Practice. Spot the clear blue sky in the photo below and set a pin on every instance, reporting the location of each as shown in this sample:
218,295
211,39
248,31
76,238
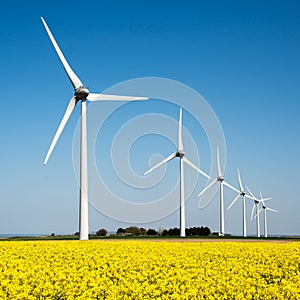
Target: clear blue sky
243,57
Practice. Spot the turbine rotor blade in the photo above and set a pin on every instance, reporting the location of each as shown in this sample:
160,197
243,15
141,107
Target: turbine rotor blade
194,167
72,76
240,182
219,165
256,215
161,163
235,199
208,187
61,127
100,97
271,209
249,197
264,199
253,197
231,187
252,212
180,145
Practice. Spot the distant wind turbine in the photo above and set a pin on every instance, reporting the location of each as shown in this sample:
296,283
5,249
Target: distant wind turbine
241,193
81,93
255,206
265,208
181,154
220,178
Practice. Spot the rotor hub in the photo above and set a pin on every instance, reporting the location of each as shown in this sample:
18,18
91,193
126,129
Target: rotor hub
81,93
180,153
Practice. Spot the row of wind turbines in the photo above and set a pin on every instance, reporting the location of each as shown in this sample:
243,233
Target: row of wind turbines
82,94
219,178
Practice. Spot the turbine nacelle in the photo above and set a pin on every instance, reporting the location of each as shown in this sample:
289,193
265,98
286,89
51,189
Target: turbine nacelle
221,178
180,153
81,93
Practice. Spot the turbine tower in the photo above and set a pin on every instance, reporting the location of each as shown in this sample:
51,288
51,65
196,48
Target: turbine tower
255,206
181,154
82,94
265,208
241,193
222,182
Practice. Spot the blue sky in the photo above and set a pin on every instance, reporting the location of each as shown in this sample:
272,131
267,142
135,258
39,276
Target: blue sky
242,56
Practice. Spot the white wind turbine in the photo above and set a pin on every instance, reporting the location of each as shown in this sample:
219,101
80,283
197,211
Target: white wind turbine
265,208
241,193
181,154
255,206
81,93
219,178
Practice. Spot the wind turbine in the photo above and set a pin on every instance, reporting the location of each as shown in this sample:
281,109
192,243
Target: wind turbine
241,193
255,206
181,154
265,208
81,93
219,178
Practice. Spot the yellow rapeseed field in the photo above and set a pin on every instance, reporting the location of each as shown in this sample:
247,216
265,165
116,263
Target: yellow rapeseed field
149,270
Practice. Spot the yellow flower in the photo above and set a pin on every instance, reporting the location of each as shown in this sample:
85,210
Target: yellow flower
149,270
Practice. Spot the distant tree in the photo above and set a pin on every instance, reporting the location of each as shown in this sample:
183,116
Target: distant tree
192,231
170,232
197,231
134,230
152,232
121,230
174,231
101,232
201,231
143,231
76,233
165,232
52,234
206,231
188,232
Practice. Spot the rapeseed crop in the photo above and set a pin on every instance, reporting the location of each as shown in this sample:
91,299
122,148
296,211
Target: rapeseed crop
149,270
